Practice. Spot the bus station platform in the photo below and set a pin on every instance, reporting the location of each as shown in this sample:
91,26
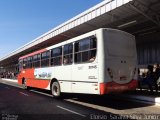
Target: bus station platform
143,95
140,95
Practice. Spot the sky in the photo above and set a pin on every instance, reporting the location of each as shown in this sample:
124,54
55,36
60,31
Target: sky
21,21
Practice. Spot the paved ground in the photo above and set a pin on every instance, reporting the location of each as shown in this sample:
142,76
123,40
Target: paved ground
39,105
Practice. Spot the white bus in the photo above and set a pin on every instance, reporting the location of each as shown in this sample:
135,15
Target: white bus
99,62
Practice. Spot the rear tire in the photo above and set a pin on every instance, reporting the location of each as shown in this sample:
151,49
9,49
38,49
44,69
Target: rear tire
55,90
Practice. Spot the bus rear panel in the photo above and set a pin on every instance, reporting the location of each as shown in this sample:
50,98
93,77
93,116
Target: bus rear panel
120,61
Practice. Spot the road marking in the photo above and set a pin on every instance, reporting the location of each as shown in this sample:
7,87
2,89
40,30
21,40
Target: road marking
71,111
23,93
42,93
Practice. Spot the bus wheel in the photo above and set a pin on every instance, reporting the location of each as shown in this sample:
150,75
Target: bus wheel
24,84
55,89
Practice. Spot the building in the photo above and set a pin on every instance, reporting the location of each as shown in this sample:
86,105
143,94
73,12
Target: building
138,17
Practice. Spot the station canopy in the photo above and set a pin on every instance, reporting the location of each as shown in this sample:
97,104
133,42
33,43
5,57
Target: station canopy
138,17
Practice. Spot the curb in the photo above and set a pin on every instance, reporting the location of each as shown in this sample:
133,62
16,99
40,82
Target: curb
11,80
144,99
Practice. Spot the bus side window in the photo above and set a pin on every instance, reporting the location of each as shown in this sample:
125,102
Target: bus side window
85,50
20,65
36,60
93,49
29,62
85,46
24,63
45,59
68,54
76,47
56,56
93,43
77,55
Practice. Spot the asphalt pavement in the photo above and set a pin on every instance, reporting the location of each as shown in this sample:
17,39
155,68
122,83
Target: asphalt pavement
35,104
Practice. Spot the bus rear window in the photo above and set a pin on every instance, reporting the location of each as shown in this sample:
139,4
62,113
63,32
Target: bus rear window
119,44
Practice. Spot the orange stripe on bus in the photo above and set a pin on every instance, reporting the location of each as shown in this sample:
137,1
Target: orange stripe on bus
34,53
28,74
38,83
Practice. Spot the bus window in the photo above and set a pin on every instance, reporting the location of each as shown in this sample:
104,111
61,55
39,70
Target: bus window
20,65
29,62
68,54
56,56
45,59
93,49
36,60
76,47
84,44
24,63
85,50
93,43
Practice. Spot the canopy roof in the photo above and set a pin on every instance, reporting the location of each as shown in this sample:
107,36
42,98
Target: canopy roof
138,17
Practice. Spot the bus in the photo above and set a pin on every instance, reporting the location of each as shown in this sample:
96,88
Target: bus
99,62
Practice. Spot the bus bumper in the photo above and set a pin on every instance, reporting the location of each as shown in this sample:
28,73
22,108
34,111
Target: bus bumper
112,87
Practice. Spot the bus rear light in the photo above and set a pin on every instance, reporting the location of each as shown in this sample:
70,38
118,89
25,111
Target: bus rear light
133,84
110,73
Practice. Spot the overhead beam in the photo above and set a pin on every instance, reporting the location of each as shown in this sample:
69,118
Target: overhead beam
146,11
